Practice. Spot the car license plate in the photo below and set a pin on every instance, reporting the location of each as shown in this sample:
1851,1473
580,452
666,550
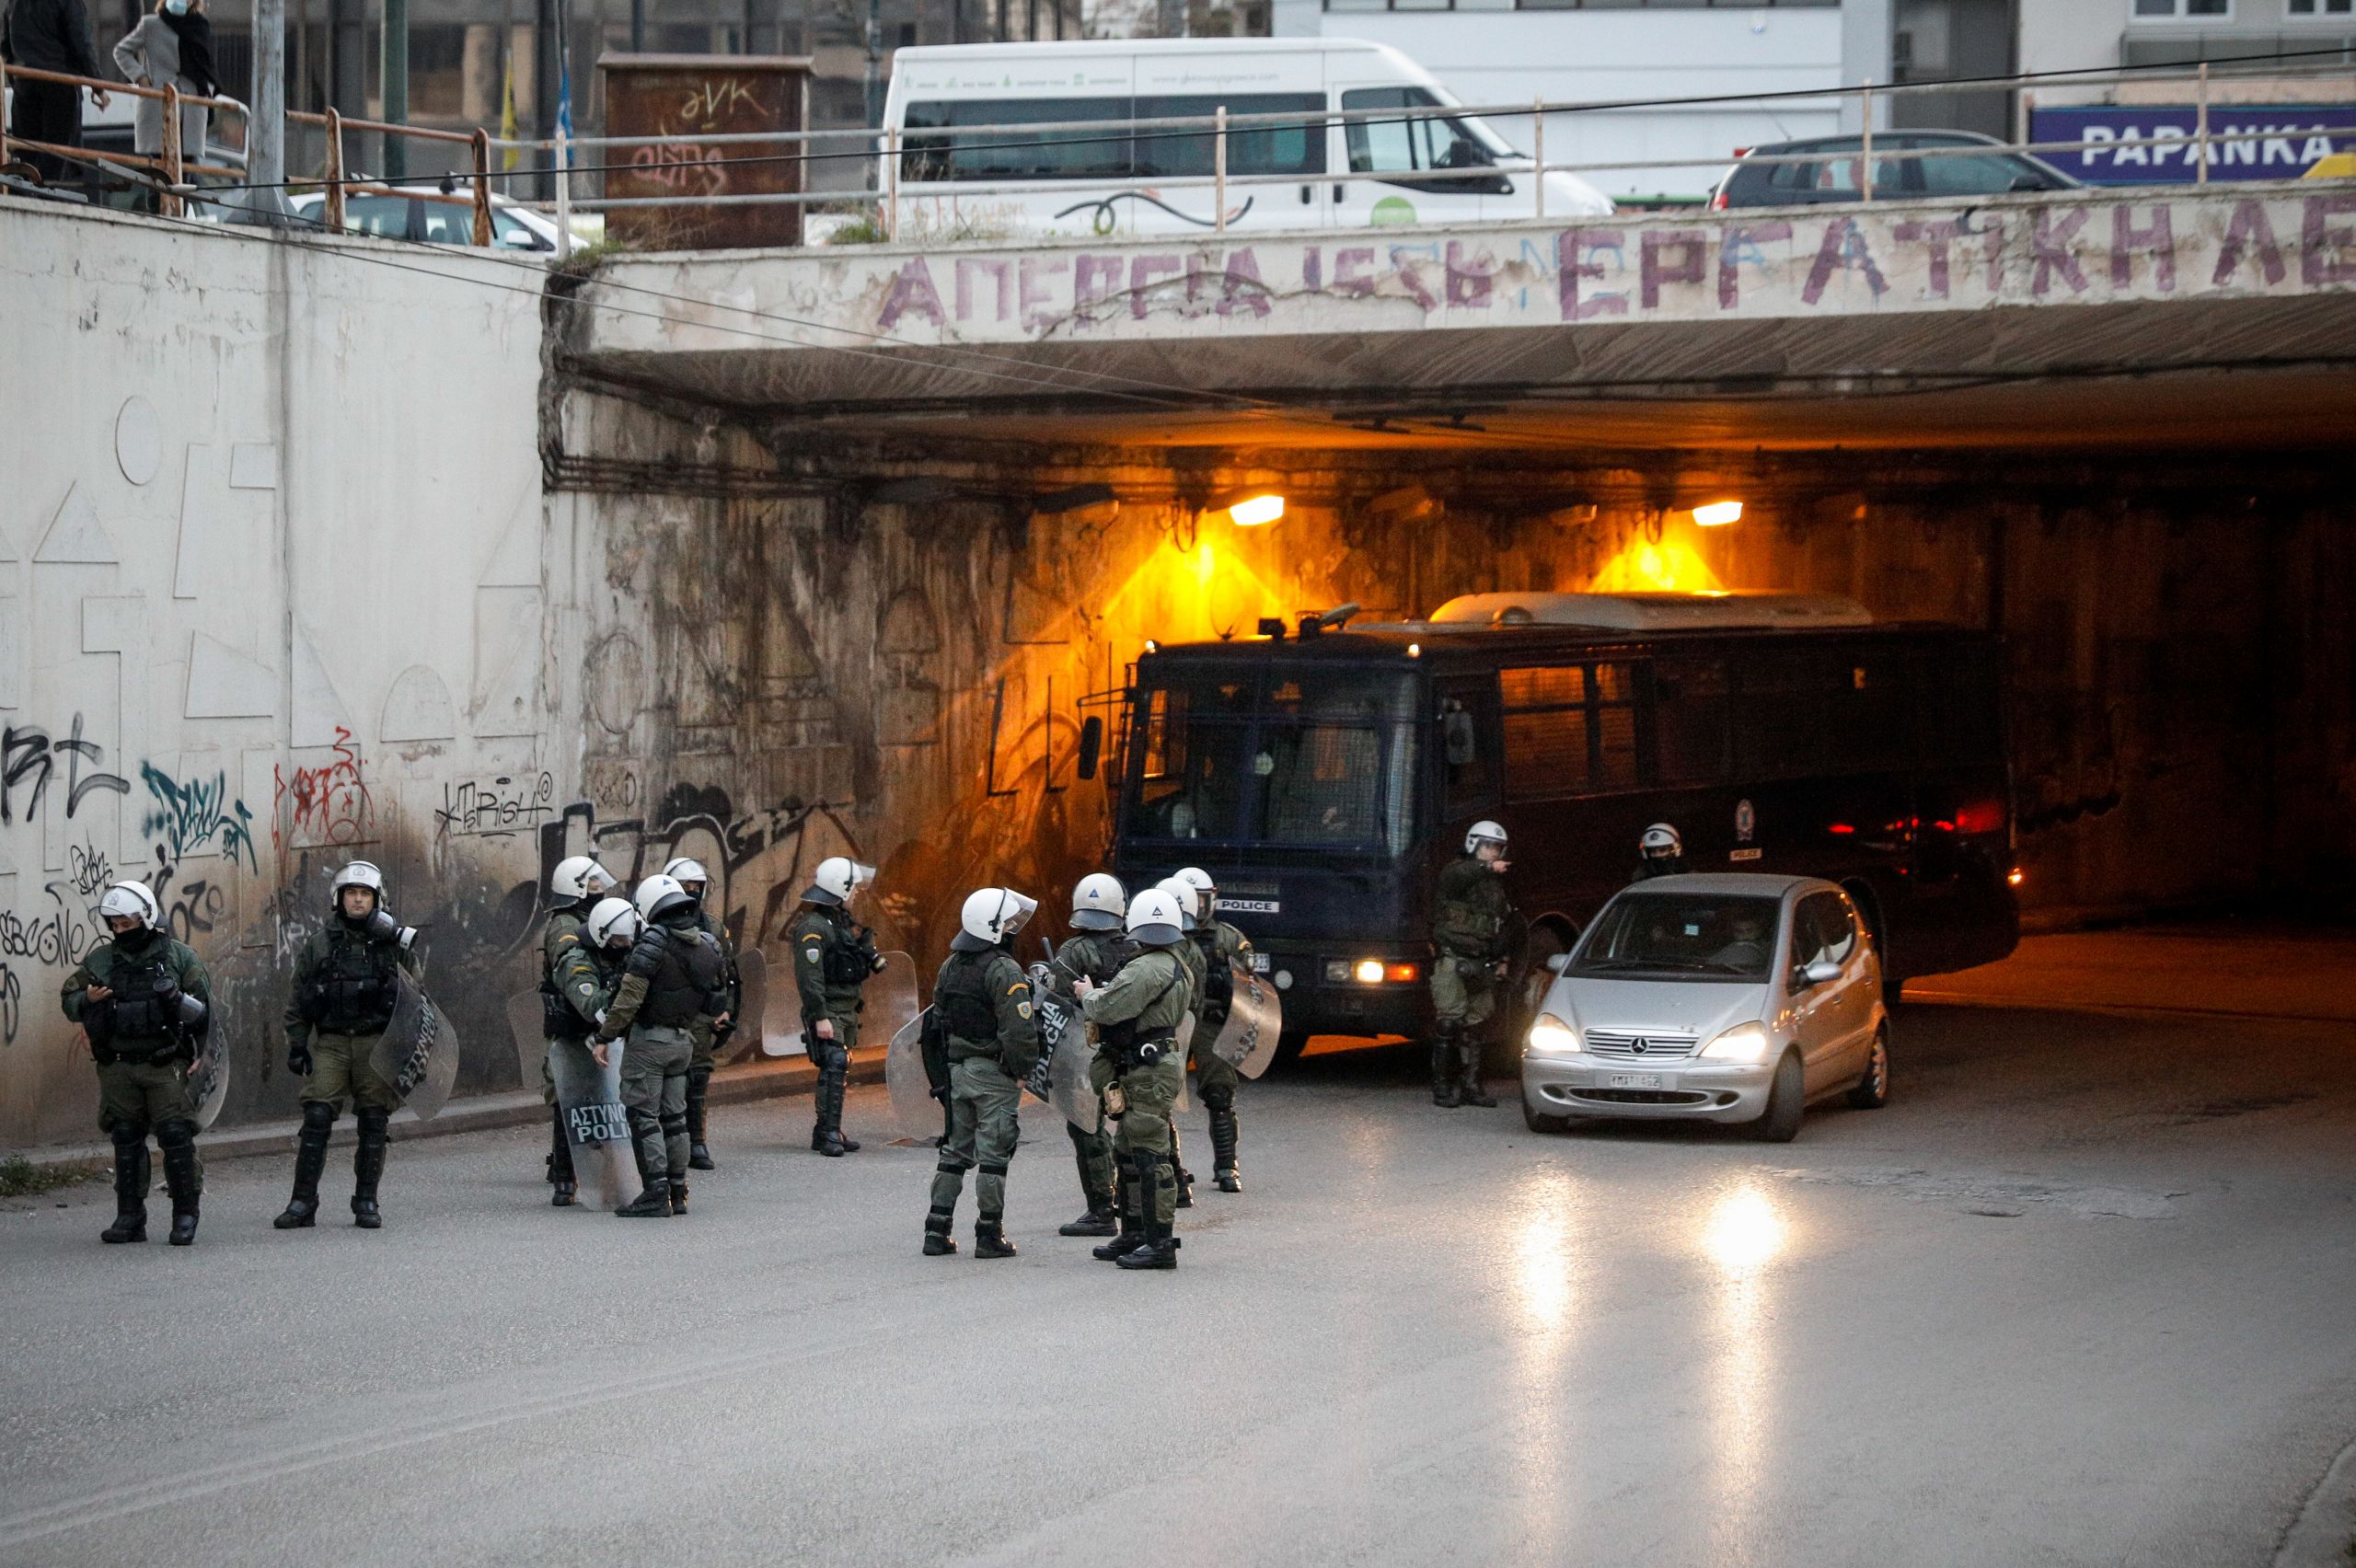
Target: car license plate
1635,1080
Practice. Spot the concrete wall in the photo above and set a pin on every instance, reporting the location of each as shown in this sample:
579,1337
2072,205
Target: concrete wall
269,598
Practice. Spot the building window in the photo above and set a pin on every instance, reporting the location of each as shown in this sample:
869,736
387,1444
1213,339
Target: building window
1572,5
2323,7
2183,10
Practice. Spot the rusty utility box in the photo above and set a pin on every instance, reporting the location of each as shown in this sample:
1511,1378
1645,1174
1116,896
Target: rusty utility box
685,98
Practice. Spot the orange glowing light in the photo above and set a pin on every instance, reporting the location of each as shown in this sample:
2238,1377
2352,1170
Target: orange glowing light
2016,877
1666,567
1718,513
1254,510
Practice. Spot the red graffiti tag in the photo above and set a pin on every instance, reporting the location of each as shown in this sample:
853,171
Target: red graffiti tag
329,804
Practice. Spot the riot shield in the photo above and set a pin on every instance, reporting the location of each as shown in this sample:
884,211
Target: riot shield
1063,1038
751,1032
527,1023
910,1086
418,1053
1248,1038
890,1001
1185,1048
590,1097
208,1075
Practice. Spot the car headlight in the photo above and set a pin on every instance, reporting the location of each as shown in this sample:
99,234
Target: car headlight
1743,1043
1550,1036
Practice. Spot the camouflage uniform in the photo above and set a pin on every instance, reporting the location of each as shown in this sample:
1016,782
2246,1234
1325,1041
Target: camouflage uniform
981,1006
1142,1007
1469,928
833,957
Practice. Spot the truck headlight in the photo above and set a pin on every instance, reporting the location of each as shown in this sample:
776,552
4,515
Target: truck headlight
1550,1036
1743,1043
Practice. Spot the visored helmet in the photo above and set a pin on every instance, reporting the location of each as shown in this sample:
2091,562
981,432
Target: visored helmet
131,899
1481,833
1154,918
659,895
612,920
1206,890
1098,902
1660,842
684,871
1182,895
359,873
837,877
579,876
994,914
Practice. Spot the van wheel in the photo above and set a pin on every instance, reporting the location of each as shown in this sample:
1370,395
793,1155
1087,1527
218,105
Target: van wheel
1289,1046
1873,1090
1539,1122
1781,1121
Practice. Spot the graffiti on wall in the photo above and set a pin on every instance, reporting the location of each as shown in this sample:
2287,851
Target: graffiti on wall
28,753
326,804
196,816
505,804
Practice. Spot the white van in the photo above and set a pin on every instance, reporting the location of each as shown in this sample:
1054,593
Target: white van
1426,169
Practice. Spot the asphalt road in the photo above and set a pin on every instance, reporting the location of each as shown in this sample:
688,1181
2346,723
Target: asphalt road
2083,1294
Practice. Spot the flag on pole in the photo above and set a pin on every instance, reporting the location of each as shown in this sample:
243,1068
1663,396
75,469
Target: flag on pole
563,82
508,157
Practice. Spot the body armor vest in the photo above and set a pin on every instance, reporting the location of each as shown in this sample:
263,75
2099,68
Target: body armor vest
962,996
139,1021
356,987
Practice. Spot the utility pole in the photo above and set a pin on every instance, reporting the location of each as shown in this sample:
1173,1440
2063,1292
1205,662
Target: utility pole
544,70
395,82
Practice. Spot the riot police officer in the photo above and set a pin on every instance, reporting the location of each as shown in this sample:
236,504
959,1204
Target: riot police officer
1659,853
143,1001
981,1008
346,984
673,978
1095,952
1197,968
577,884
709,1035
1222,947
587,971
1137,1021
834,956
1470,929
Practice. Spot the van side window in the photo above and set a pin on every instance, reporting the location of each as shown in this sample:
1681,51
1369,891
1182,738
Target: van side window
932,152
1169,154
1690,720
1423,145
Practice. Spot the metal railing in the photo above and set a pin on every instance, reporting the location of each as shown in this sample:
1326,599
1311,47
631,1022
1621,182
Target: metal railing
171,162
889,154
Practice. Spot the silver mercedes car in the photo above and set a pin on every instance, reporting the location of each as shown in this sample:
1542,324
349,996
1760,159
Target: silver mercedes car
1717,997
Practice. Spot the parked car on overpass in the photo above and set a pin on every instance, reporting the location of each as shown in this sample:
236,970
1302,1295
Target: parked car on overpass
433,215
1725,997
1831,169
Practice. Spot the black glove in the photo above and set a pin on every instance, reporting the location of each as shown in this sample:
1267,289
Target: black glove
298,1060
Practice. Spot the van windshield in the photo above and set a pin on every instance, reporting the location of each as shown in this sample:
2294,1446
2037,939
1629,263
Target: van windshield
1319,757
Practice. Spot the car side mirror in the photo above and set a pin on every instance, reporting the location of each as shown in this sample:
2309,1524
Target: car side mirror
1558,962
1458,730
1092,743
1822,971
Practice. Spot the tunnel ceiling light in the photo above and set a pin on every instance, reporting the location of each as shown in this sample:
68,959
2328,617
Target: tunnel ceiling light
1254,510
1718,513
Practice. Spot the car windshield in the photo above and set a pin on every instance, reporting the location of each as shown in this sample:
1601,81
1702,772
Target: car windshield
1704,936
1307,758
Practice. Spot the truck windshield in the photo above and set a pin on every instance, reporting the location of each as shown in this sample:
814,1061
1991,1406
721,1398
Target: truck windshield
1313,758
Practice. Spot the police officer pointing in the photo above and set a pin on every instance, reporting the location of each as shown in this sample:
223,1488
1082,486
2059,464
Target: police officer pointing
834,956
142,999
1469,929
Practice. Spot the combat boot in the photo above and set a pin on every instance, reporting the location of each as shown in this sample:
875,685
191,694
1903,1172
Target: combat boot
177,1139
1224,1132
1470,1092
561,1176
368,1167
1444,1089
653,1203
698,1152
938,1242
310,1159
989,1240
1095,1222
130,1190
678,1194
1156,1249
1137,1176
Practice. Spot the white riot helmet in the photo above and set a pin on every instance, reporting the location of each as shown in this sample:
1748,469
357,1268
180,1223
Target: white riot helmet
1155,919
1206,890
1661,843
684,871
836,878
658,895
994,914
613,917
579,876
1484,831
1182,895
1098,902
359,873
132,899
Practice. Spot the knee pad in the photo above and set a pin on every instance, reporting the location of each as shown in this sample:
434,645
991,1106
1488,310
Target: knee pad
993,1168
833,1058
1218,1097
129,1138
177,1133
642,1124
370,1119
698,1076
951,1165
318,1115
675,1124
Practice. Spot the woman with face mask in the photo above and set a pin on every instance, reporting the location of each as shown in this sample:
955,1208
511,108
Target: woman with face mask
172,43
